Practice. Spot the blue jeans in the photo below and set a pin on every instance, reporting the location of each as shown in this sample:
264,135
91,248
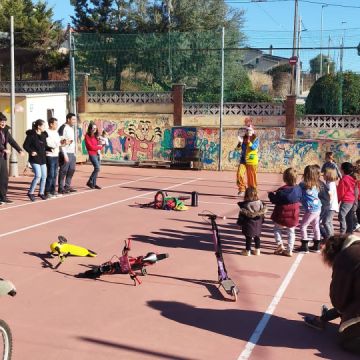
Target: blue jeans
95,160
40,173
52,163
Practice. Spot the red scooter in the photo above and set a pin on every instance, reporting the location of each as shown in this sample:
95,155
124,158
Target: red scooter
125,265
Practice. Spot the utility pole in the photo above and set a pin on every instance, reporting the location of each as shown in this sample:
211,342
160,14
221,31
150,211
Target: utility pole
13,170
221,97
341,76
298,67
292,87
321,38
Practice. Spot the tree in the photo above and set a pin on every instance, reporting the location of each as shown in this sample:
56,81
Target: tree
36,31
175,41
327,62
331,92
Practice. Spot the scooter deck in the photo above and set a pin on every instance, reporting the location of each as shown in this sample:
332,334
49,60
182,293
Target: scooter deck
228,285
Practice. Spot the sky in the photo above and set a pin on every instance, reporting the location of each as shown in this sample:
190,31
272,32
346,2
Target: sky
270,22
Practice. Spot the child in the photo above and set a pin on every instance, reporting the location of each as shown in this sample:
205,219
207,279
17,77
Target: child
330,178
346,197
312,207
324,196
286,211
103,140
330,163
251,217
357,192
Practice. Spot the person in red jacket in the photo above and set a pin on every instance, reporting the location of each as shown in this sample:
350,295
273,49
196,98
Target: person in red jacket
93,146
346,197
286,212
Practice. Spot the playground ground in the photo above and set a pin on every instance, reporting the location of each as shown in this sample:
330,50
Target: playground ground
177,312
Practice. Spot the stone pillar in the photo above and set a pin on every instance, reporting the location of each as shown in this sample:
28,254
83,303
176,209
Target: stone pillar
290,112
83,98
178,99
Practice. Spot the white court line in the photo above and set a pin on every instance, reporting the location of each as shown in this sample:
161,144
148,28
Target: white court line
75,193
89,210
250,345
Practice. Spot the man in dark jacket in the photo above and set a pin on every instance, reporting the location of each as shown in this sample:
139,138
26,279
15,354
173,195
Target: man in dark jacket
5,139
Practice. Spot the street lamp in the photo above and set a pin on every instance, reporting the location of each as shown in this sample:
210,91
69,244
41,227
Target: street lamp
321,31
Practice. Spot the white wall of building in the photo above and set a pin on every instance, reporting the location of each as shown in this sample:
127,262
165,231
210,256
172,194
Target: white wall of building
37,106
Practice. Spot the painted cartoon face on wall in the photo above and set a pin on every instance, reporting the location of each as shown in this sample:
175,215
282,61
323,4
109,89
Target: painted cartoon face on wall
144,131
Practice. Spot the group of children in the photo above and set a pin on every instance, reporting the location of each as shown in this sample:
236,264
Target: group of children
320,200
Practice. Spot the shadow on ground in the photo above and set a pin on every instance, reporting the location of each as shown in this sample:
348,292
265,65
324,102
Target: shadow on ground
240,324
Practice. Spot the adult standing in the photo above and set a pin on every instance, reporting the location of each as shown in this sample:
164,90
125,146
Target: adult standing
67,157
249,145
93,147
35,145
52,157
5,139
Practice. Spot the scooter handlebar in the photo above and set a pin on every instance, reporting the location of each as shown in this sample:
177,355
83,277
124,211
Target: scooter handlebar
212,216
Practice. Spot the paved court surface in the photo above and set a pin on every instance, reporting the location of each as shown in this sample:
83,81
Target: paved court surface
177,312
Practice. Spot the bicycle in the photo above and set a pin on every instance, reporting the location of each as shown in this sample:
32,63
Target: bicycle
6,346
125,264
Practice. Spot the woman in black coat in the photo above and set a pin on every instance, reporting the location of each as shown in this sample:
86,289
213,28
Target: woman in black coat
35,145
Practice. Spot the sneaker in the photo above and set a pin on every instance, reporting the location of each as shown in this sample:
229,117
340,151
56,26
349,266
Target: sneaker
31,196
357,227
287,253
56,194
241,193
246,253
71,190
315,322
7,201
279,250
97,187
42,196
90,185
256,252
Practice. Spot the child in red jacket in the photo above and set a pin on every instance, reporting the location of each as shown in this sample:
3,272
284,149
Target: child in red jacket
346,197
286,212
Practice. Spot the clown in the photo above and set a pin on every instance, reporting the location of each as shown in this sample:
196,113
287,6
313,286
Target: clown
248,145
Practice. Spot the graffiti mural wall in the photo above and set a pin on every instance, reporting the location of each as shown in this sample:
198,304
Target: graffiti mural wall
131,137
276,153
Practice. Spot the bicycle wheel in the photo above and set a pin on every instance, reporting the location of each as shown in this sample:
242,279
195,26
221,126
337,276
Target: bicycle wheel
6,341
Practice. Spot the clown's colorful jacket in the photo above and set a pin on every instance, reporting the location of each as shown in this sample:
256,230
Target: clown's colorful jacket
249,150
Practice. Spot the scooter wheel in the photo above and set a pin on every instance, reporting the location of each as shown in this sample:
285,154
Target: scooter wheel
234,293
144,271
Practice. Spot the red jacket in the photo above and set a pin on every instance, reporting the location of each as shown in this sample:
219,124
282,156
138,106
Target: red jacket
346,189
92,145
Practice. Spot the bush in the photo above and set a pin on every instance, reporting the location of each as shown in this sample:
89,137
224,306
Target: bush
331,91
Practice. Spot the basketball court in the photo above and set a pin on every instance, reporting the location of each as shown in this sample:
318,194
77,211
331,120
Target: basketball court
177,312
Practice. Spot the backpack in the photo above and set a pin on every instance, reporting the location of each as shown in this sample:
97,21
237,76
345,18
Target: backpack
61,129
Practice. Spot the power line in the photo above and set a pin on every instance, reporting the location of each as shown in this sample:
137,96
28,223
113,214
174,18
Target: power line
304,1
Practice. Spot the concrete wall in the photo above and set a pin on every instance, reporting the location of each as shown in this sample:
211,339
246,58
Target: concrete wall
233,120
276,153
138,137
132,137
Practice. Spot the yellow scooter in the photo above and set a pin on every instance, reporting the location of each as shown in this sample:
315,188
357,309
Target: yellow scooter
63,249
